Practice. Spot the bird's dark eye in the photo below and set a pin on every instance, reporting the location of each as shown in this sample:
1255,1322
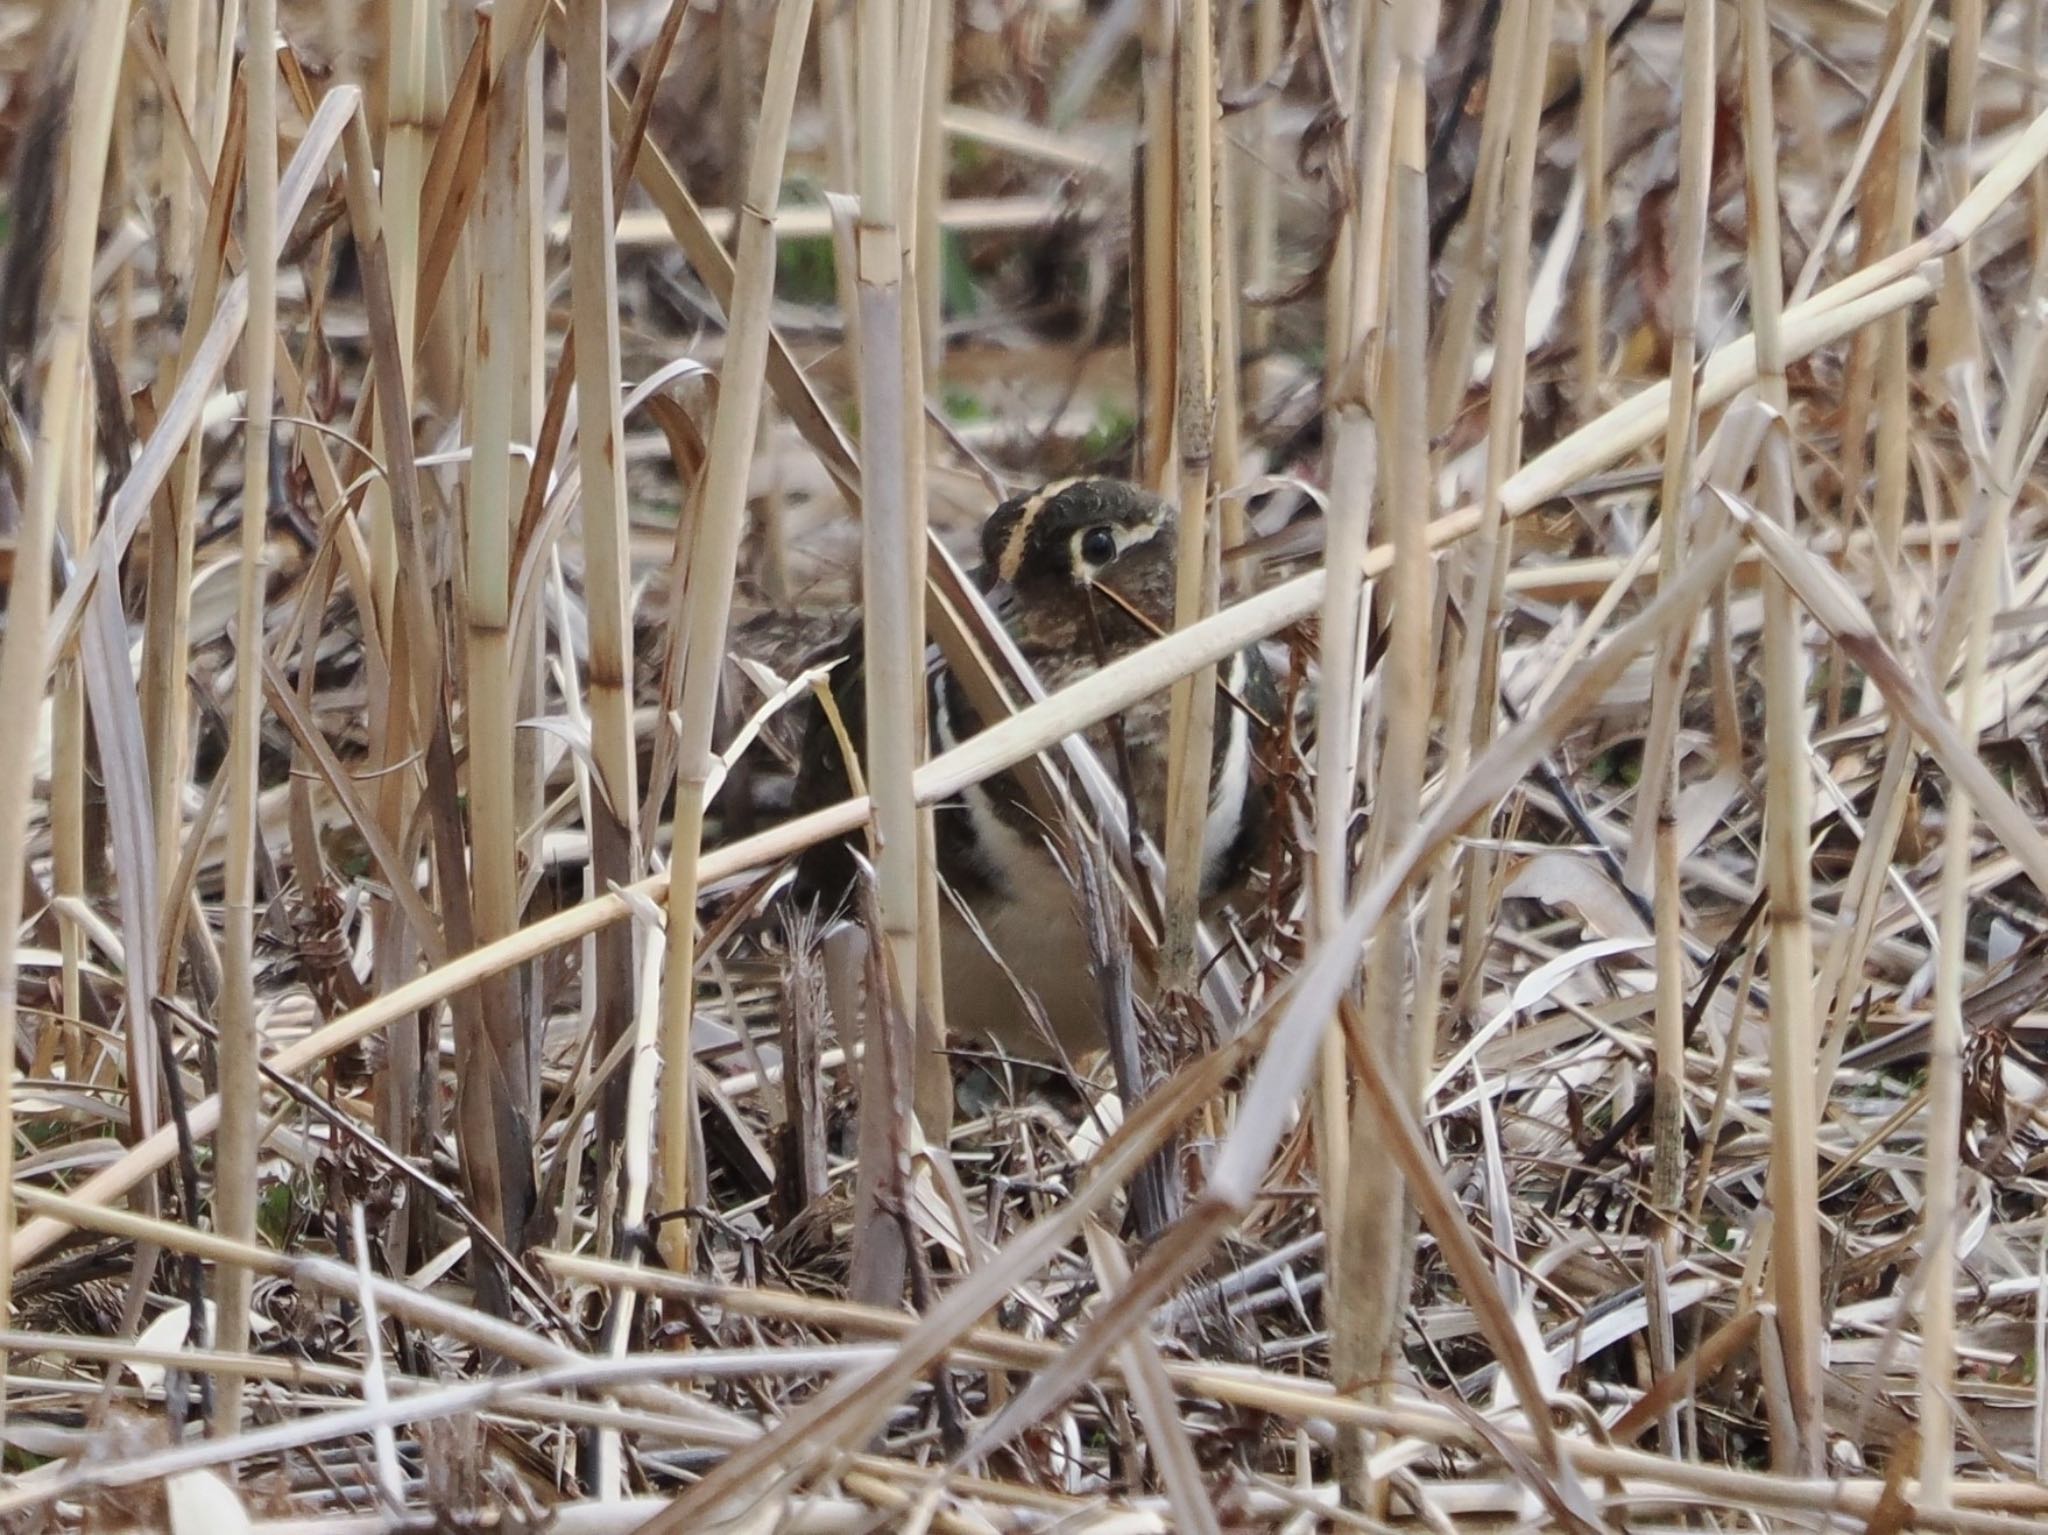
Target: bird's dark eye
1098,546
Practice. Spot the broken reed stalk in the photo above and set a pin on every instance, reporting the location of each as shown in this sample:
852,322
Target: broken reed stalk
892,529
1795,1234
1227,442
241,1045
1153,1395
721,523
1654,855
600,442
1191,720
92,56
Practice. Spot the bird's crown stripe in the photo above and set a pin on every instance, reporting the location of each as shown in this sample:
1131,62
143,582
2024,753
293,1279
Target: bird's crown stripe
1012,559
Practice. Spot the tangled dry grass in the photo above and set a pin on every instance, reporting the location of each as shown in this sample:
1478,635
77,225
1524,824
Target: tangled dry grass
1620,1106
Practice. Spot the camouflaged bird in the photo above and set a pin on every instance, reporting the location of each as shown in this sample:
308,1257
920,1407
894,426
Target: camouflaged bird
1048,558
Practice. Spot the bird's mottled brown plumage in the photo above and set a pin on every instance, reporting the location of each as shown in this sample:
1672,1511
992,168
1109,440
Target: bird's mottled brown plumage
1080,572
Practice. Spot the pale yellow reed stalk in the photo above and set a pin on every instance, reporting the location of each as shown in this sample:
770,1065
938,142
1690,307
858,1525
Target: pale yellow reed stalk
1192,703
1953,345
1795,1252
1154,251
1654,850
1591,313
720,525
600,435
1476,689
241,1044
892,529
94,53
1470,257
1374,1260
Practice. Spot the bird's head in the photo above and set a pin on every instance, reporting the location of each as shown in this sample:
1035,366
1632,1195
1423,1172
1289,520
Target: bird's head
1051,545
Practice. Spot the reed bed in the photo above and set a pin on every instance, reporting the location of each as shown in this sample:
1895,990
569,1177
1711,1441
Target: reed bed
436,443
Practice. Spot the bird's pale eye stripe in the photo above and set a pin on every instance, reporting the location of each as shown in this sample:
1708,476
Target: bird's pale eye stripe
1012,559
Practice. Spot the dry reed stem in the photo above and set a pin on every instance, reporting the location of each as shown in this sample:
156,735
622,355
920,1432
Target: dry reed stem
1477,686
1458,321
1945,1050
1952,340
1795,1255
1657,853
501,402
241,1043
1292,1045
167,614
1351,346
1153,1395
720,525
93,55
1591,309
1155,251
893,520
1191,721
614,802
1373,1269
1891,363
1261,200
1353,1181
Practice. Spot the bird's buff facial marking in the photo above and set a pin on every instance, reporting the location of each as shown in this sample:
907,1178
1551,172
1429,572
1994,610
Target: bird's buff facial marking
1125,537
1012,558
